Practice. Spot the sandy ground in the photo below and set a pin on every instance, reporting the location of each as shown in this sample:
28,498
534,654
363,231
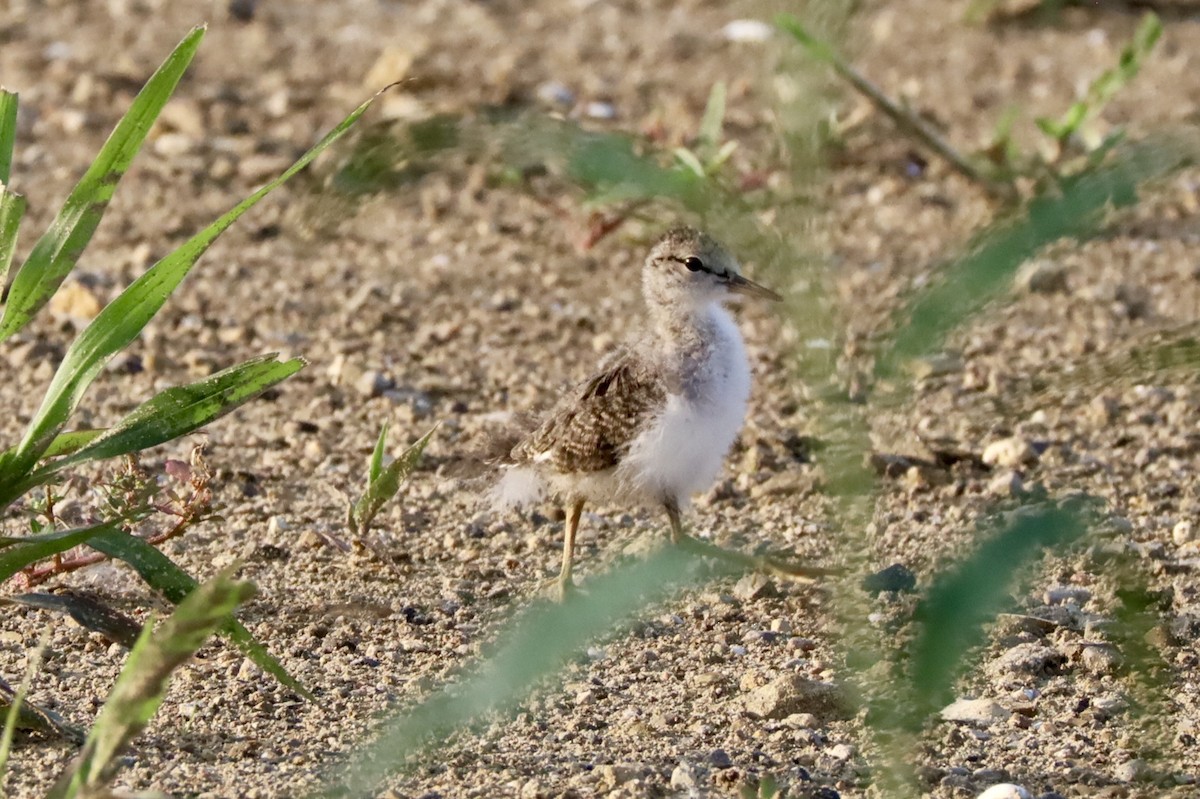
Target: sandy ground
459,297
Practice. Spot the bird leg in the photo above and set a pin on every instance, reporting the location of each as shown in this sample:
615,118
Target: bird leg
562,585
762,563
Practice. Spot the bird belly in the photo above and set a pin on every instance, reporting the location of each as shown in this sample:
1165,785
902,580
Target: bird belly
682,450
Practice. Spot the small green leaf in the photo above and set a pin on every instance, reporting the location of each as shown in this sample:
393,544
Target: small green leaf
689,161
55,253
386,485
140,688
376,468
161,574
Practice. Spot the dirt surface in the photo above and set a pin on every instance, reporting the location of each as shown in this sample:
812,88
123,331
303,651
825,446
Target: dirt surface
458,298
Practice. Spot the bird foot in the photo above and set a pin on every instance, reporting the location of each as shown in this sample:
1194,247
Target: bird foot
557,589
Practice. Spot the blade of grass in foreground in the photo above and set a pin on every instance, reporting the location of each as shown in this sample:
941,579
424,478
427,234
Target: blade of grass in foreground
533,647
180,410
123,318
1074,210
17,553
12,205
175,584
8,131
55,253
143,682
952,614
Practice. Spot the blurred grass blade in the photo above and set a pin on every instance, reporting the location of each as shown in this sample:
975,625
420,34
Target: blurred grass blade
952,614
8,132
533,646
12,205
16,706
1111,81
1075,209
55,253
22,714
160,573
714,116
818,49
608,168
385,481
87,611
180,410
143,682
122,319
17,553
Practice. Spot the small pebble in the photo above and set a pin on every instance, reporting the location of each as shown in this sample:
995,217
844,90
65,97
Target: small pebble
720,759
600,110
1182,533
897,578
747,30
975,711
1009,453
841,751
1027,659
1006,484
1062,594
1042,277
683,777
554,93
1130,771
1100,658
1005,790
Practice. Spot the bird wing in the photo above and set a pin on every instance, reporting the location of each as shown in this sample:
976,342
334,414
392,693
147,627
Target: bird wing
592,427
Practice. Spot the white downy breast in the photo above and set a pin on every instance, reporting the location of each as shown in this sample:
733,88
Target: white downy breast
683,450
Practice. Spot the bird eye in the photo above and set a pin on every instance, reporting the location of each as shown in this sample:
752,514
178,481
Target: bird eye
693,264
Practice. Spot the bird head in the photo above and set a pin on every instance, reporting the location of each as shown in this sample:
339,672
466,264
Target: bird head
689,268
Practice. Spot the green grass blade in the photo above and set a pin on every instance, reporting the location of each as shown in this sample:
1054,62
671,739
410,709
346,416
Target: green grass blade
161,574
17,553
140,688
66,443
180,410
952,614
63,444
55,253
8,132
387,484
1075,209
123,318
16,707
714,116
532,647
818,49
376,467
12,208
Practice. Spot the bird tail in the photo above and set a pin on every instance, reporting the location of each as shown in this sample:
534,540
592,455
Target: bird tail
520,485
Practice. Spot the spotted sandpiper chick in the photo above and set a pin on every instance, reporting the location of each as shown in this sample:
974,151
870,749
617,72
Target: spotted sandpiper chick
654,424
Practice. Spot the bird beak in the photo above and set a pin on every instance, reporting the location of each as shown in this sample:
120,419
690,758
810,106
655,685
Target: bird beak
740,285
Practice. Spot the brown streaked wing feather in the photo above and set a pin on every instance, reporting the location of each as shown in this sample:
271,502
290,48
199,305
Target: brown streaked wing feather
591,429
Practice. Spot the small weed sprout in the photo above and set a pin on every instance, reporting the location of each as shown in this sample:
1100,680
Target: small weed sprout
383,482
